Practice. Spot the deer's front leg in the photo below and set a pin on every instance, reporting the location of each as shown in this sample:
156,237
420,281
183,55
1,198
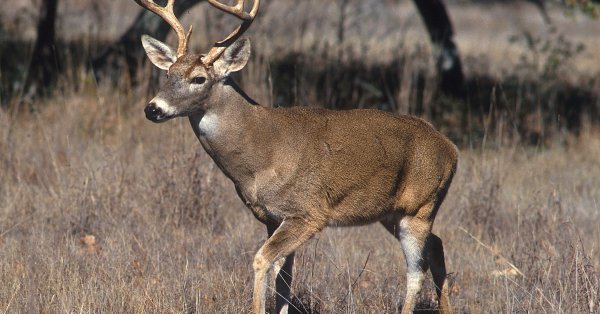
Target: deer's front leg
282,269
290,235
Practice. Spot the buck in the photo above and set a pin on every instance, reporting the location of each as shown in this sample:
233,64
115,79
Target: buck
302,169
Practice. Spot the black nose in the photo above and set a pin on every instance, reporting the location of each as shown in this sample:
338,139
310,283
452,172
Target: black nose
152,112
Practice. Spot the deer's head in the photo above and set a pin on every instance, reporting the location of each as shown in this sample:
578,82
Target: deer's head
193,79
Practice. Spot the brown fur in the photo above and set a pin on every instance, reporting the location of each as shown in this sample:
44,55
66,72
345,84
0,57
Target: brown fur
301,169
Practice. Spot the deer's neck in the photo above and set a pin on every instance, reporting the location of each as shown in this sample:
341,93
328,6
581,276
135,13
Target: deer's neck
229,131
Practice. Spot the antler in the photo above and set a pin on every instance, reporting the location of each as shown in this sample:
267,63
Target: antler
167,14
238,11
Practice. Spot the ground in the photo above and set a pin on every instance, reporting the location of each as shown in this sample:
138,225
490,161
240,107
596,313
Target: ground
103,211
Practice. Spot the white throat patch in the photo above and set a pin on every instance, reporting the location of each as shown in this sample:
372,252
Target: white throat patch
209,124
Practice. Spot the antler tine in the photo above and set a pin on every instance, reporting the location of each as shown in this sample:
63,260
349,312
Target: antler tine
238,11
167,14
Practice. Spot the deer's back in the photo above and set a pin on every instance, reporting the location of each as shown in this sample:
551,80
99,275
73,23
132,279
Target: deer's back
358,164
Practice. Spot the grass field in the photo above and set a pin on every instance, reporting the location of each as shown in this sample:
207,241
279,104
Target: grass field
102,211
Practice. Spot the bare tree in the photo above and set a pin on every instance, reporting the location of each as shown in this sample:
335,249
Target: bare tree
43,68
441,33
127,52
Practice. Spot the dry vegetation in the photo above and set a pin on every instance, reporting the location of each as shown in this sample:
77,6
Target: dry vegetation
102,211
169,235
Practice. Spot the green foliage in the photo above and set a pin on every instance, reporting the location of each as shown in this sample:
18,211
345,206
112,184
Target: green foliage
588,7
548,56
12,66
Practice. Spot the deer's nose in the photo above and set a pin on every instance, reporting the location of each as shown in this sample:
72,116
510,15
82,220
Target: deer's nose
153,112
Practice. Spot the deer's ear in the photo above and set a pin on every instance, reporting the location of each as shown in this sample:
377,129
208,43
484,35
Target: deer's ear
234,58
158,52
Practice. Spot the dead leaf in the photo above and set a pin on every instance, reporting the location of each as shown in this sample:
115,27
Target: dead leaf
508,272
89,245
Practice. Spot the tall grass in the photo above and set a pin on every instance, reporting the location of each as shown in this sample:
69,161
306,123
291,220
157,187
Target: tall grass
104,211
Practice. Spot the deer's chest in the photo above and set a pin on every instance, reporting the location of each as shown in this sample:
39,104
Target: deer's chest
207,125
267,195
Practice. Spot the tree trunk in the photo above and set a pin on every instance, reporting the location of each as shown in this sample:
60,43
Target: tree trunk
449,66
128,52
43,68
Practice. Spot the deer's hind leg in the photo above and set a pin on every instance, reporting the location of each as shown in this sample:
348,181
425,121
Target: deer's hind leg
422,251
437,265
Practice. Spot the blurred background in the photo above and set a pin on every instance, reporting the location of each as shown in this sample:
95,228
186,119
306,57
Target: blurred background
103,211
454,62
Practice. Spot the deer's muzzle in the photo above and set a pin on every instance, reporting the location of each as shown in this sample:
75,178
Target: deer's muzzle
154,113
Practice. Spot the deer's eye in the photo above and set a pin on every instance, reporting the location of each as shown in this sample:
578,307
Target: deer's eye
198,80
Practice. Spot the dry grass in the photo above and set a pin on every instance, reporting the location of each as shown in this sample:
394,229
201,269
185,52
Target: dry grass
169,234
102,211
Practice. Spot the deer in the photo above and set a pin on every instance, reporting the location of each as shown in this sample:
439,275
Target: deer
301,169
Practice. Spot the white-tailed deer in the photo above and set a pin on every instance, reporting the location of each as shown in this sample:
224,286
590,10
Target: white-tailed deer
302,169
